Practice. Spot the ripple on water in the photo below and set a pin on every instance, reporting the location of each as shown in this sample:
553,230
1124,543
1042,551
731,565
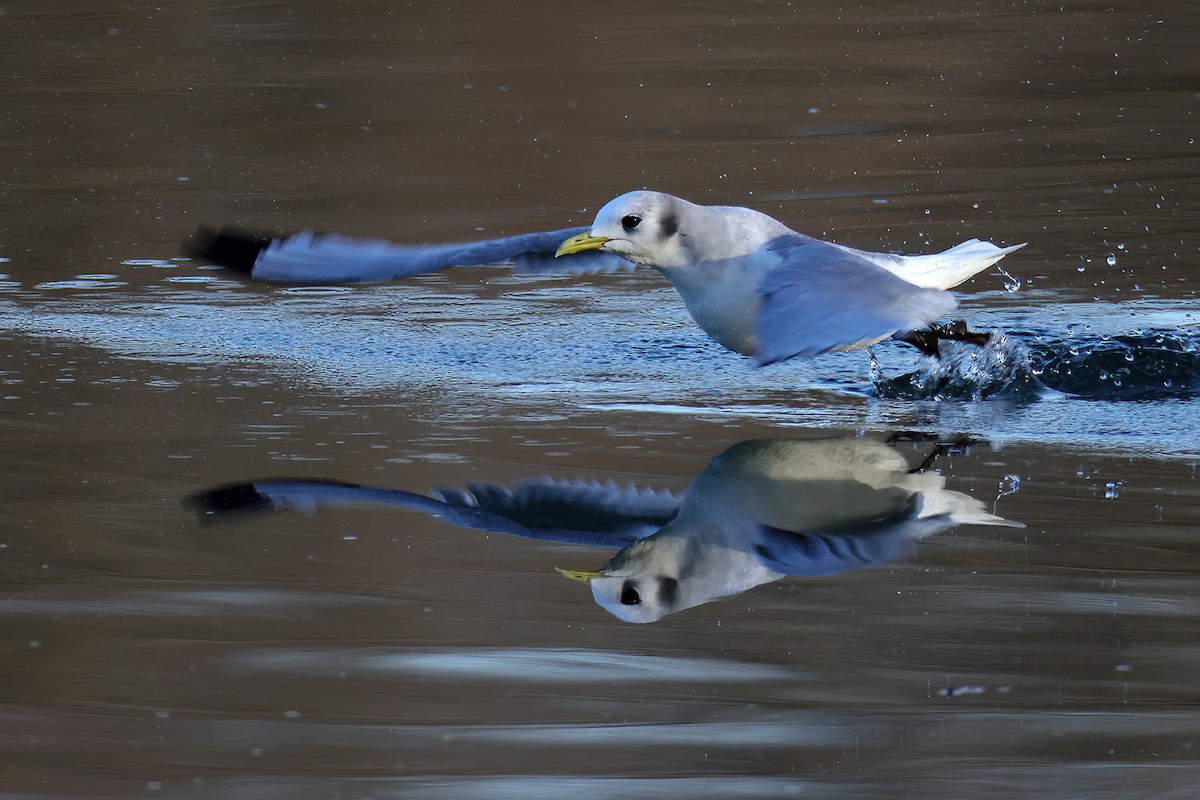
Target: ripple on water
1143,366
193,278
542,665
81,282
315,290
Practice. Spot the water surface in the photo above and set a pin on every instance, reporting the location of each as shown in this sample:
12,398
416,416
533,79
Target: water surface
377,652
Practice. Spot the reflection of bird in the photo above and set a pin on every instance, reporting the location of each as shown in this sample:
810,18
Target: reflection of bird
755,286
759,511
765,509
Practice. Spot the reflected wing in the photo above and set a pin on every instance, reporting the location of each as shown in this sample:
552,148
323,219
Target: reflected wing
629,511
601,515
866,543
815,554
308,257
823,297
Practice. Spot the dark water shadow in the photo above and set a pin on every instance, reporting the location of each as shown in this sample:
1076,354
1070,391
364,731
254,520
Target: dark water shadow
1145,365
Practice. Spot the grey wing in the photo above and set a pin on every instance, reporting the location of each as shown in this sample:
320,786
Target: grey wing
822,297
308,257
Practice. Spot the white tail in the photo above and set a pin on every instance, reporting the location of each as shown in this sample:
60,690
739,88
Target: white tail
943,270
951,267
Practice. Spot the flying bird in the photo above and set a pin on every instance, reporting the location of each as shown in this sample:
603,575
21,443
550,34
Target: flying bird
752,284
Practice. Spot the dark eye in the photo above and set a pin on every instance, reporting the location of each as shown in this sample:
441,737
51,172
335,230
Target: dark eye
629,595
630,221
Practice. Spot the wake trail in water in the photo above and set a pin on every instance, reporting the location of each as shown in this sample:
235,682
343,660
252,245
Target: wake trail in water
1145,365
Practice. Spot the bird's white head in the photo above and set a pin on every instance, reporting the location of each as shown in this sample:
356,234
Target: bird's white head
647,228
645,581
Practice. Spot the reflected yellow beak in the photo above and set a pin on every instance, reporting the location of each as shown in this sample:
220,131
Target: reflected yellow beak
578,574
583,241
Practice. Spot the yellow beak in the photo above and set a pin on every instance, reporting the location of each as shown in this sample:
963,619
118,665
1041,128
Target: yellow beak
578,574
583,241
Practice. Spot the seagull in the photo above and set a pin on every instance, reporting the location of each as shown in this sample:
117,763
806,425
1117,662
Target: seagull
755,286
760,510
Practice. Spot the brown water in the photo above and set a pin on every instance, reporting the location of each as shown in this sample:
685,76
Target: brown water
377,652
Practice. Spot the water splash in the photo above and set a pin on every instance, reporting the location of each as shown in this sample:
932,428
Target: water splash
1011,282
875,371
1141,366
1009,485
1002,367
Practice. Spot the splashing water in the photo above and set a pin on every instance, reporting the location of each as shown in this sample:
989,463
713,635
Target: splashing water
876,372
1002,367
1011,282
1141,366
1010,484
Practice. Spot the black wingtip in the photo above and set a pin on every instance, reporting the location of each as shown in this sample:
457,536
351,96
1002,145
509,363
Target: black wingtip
232,248
233,497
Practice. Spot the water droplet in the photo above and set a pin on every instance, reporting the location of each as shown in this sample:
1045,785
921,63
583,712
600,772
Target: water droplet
1081,268
1009,484
1112,259
876,373
1011,282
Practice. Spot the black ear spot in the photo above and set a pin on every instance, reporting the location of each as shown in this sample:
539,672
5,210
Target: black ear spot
630,221
670,224
629,594
668,591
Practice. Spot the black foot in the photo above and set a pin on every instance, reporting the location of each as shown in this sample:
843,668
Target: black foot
955,445
927,340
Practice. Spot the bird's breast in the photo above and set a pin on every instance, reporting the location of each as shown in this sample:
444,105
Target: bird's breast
723,299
